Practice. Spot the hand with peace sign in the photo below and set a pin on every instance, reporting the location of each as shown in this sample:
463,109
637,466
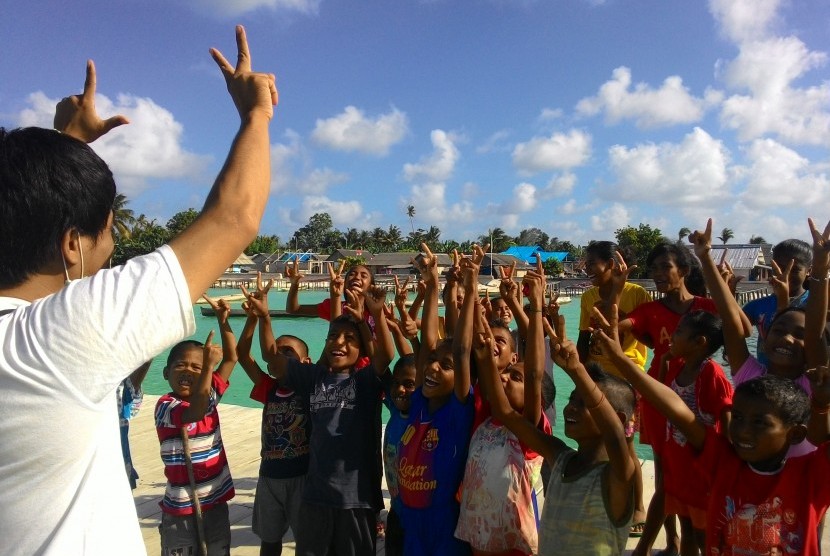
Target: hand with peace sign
258,299
252,93
336,282
508,287
427,264
780,283
75,115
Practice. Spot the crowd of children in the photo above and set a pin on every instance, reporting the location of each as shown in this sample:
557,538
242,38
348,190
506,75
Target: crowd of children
464,447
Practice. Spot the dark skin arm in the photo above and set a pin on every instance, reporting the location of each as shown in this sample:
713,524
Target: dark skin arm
243,347
463,338
292,301
222,311
427,266
137,376
450,295
535,284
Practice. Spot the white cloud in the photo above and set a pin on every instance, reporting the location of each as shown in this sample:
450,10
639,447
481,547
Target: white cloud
233,8
433,209
691,172
439,165
559,186
742,20
496,142
612,218
343,214
671,104
292,171
148,148
319,181
352,130
557,152
549,114
767,69
778,177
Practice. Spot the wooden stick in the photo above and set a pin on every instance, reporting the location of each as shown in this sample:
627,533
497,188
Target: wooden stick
197,506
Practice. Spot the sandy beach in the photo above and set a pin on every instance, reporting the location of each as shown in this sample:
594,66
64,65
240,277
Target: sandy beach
240,433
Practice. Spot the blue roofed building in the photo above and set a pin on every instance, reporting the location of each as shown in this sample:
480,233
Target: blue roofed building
527,253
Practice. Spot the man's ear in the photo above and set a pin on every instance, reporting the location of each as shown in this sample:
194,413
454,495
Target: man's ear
514,358
305,360
165,372
797,434
71,247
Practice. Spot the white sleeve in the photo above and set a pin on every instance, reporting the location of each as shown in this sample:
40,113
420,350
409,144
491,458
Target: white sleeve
93,333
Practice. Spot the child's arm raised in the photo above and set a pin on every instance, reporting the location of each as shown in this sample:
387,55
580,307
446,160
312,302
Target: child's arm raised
427,265
731,314
509,292
258,304
815,347
663,398
780,285
535,284
548,446
336,284
243,346
292,301
402,346
450,295
200,397
222,311
384,350
462,341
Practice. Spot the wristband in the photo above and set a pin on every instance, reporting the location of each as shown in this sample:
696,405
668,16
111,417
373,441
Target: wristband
532,310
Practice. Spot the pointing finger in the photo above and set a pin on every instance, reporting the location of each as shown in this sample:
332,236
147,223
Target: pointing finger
89,82
243,59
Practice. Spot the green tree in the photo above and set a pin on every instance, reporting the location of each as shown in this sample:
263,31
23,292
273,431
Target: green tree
394,238
181,220
682,233
725,235
313,235
638,241
263,244
144,238
757,240
410,212
123,218
553,267
497,238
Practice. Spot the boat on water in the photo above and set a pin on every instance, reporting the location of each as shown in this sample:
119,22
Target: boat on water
229,298
275,313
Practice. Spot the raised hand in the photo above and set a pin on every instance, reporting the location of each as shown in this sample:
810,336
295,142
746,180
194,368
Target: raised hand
780,281
619,275
605,330
75,115
251,92
702,241
336,282
533,284
293,272
354,306
562,350
726,272
258,299
211,354
552,308
401,293
374,299
427,264
508,287
221,308
821,250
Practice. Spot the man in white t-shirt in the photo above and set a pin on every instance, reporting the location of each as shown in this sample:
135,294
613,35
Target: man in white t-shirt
71,332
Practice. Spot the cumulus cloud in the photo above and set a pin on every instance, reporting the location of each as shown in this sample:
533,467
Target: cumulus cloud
343,213
691,172
612,218
149,148
353,131
557,152
743,20
767,70
439,165
292,171
671,104
779,177
559,186
234,8
496,142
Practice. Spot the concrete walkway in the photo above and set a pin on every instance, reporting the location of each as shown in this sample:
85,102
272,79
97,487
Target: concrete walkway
241,435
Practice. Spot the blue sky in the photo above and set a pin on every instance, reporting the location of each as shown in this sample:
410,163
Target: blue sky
574,116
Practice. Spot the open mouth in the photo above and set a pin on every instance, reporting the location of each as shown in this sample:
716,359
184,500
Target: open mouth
430,382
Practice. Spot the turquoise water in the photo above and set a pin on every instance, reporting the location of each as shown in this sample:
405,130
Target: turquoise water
313,331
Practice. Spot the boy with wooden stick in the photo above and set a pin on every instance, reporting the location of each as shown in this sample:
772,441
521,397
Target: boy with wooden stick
194,508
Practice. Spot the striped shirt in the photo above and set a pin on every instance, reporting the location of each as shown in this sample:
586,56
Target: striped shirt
210,464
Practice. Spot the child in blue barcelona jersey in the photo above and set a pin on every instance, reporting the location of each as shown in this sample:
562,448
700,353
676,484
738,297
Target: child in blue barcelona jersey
286,426
791,260
433,449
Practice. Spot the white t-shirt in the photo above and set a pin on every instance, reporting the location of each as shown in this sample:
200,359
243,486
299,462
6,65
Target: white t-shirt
62,484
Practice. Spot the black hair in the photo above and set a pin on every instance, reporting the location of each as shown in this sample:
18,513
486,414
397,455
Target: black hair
791,402
786,310
176,350
498,323
681,254
296,339
50,183
618,392
706,324
694,281
605,250
345,320
794,249
369,270
404,361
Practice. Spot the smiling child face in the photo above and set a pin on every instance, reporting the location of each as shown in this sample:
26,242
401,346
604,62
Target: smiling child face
184,370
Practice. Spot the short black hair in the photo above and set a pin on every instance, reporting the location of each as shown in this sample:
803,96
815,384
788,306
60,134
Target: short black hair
790,400
706,324
680,253
794,249
404,361
618,392
605,250
296,339
50,183
182,346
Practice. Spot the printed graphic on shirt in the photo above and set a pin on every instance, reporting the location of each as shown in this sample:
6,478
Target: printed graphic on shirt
768,528
284,429
416,472
341,394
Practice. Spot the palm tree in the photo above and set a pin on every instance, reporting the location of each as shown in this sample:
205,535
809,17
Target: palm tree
394,237
410,212
123,218
682,233
725,235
